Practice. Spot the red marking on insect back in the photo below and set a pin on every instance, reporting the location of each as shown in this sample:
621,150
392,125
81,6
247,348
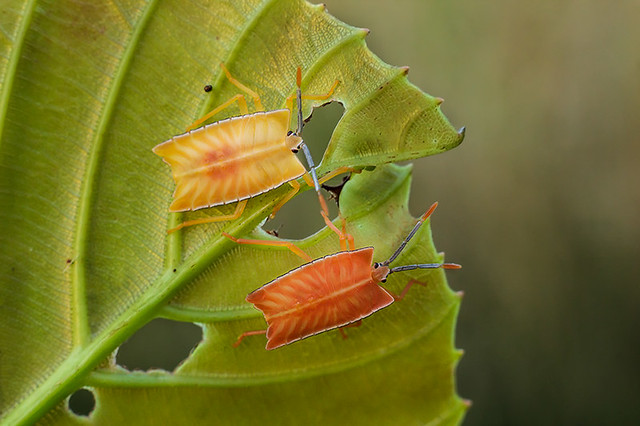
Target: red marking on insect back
221,164
212,157
209,160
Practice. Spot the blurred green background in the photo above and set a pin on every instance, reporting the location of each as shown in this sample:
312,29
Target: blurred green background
540,203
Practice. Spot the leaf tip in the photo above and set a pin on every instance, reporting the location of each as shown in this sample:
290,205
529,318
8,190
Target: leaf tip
467,403
460,294
405,70
461,133
439,101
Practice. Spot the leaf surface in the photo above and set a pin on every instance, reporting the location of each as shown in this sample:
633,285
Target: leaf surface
87,90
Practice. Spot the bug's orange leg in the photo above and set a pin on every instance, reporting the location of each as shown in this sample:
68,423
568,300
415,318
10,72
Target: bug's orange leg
242,103
254,95
285,200
406,289
248,333
289,104
343,238
346,240
336,172
353,324
236,214
351,244
294,248
325,215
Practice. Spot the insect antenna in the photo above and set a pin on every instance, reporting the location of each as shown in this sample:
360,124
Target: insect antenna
404,243
411,234
312,167
303,146
425,266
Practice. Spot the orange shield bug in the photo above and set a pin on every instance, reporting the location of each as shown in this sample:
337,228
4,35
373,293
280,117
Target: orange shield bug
333,291
240,157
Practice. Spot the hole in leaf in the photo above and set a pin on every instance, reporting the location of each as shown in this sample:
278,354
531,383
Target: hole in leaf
160,344
317,132
300,217
82,402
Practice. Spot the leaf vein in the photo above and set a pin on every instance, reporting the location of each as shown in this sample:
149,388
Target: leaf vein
12,66
81,326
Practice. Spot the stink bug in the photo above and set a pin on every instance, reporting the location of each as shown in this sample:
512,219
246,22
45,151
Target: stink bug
240,157
333,291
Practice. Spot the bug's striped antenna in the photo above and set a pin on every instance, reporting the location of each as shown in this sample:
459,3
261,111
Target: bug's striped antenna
425,266
312,167
303,146
406,240
411,234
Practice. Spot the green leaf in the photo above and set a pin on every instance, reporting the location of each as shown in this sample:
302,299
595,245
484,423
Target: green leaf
395,369
87,90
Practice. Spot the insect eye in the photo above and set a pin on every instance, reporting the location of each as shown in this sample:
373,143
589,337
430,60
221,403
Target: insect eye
208,88
290,132
376,265
384,280
294,150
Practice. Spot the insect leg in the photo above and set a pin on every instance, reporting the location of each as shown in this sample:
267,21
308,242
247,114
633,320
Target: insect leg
322,97
351,244
353,324
236,214
406,289
248,333
242,103
343,237
337,172
294,248
289,196
327,95
254,95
